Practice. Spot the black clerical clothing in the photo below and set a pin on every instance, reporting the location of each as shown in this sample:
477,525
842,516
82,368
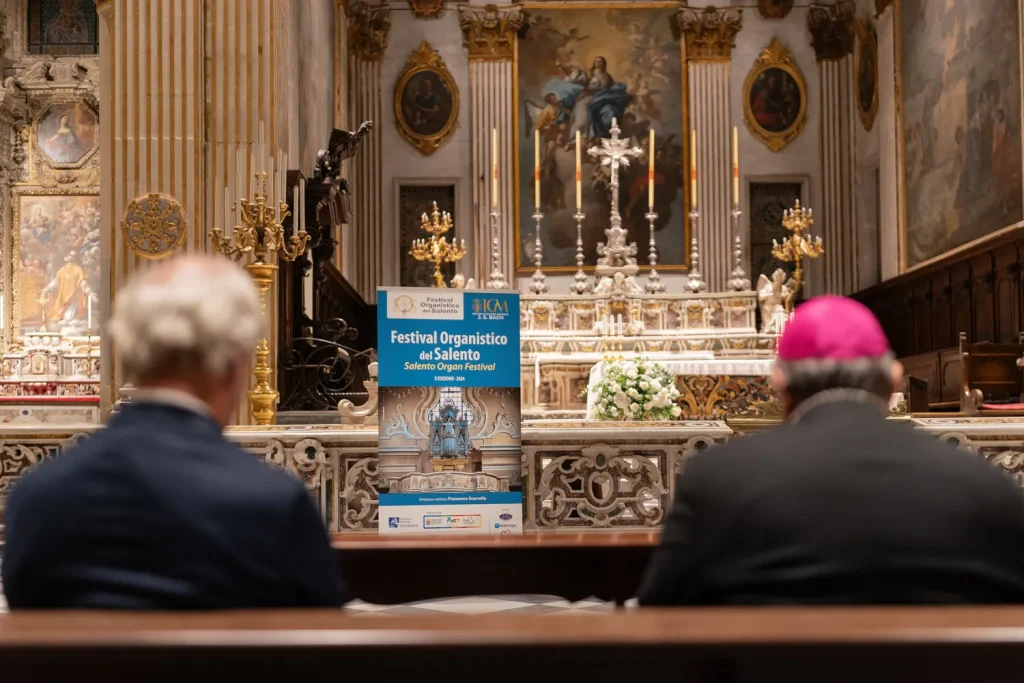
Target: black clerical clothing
159,511
842,507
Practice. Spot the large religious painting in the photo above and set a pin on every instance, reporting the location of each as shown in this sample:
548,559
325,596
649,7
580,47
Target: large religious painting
578,69
961,122
775,97
415,201
57,264
426,100
66,132
62,27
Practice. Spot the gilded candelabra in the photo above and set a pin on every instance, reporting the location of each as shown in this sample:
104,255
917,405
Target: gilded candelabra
258,238
437,250
797,246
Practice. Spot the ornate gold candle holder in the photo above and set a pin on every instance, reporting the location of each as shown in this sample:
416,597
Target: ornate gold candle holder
797,246
258,238
437,250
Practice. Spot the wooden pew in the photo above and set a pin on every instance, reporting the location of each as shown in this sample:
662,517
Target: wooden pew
387,570
937,645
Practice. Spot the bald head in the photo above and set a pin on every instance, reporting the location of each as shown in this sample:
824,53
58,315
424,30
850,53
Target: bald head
189,323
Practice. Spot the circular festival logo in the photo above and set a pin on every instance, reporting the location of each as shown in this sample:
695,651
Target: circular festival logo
404,304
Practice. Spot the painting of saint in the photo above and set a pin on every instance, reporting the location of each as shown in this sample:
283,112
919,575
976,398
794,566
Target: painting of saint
775,100
66,132
961,124
62,27
579,71
58,264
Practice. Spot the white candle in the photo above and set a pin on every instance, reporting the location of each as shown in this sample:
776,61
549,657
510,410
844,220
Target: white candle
90,312
579,175
693,167
302,203
260,148
295,207
619,324
536,169
272,191
494,167
252,174
614,122
650,173
735,167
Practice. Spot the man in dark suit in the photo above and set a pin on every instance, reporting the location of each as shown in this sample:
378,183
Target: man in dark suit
158,510
839,505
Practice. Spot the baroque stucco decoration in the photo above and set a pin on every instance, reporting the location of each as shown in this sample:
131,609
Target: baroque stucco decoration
710,32
368,29
490,34
832,30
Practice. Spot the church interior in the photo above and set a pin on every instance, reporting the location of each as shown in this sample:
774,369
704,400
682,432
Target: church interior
657,178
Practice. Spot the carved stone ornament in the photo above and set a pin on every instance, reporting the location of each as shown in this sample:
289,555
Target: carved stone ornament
831,28
154,225
774,9
775,77
426,9
490,34
426,100
710,32
368,29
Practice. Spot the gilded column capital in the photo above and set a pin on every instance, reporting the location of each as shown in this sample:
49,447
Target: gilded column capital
490,34
832,32
710,32
368,29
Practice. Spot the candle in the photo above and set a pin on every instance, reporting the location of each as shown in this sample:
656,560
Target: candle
227,209
536,169
693,167
618,324
295,207
302,203
579,176
735,167
272,191
90,312
252,173
259,149
614,123
494,167
650,173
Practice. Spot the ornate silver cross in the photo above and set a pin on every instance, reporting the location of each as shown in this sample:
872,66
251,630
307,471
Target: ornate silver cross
616,255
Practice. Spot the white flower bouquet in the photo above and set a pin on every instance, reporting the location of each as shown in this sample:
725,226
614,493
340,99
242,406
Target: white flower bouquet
635,389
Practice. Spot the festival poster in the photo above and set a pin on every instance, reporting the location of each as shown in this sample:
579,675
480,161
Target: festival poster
450,425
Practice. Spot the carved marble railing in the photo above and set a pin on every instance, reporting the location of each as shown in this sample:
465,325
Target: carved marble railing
575,475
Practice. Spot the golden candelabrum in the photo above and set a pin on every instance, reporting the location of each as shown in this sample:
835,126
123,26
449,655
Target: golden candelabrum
258,238
798,246
437,250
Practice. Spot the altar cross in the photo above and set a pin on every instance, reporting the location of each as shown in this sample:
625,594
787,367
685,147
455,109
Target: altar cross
616,153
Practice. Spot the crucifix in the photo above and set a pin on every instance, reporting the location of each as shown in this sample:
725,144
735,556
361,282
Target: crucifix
616,255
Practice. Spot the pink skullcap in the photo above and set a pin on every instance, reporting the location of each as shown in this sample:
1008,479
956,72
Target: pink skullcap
832,328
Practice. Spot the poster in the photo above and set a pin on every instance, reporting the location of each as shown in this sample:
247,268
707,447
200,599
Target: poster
449,402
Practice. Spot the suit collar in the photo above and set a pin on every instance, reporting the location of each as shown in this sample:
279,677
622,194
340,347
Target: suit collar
146,411
840,401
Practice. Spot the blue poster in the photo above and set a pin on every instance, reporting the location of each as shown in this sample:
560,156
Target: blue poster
449,420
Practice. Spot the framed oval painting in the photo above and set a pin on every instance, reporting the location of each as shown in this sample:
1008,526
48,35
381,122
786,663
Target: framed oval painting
775,98
426,100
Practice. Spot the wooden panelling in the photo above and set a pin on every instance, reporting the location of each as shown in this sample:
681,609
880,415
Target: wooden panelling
979,291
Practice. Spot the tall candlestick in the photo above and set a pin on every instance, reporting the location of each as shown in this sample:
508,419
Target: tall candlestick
494,167
650,173
252,174
735,167
693,167
227,209
295,208
536,169
302,204
579,175
260,149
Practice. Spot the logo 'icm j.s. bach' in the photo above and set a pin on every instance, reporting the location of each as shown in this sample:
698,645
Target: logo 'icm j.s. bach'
490,308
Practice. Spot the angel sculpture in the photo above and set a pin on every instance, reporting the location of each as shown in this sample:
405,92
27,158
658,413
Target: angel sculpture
342,145
772,296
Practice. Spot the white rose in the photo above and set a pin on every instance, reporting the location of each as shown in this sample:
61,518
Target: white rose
633,407
655,384
631,372
660,401
676,411
633,393
621,400
645,385
648,405
613,411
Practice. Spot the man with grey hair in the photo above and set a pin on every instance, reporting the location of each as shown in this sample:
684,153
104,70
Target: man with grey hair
158,510
839,505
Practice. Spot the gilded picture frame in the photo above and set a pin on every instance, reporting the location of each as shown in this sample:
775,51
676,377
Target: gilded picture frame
66,134
769,111
41,244
865,73
426,100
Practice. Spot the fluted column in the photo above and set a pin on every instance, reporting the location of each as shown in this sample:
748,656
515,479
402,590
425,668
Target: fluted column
832,36
363,242
710,35
490,41
890,154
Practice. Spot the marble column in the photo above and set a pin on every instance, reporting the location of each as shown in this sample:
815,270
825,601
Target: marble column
183,86
710,35
832,36
363,242
890,153
490,37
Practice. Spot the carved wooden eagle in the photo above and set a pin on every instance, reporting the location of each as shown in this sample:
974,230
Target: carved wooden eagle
342,145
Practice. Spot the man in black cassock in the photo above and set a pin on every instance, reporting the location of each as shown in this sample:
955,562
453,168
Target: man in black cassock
839,506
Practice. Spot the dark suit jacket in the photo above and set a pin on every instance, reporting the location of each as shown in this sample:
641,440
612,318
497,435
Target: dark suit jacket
160,511
842,507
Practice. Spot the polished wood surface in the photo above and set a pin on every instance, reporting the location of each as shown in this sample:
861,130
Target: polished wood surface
937,645
606,565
